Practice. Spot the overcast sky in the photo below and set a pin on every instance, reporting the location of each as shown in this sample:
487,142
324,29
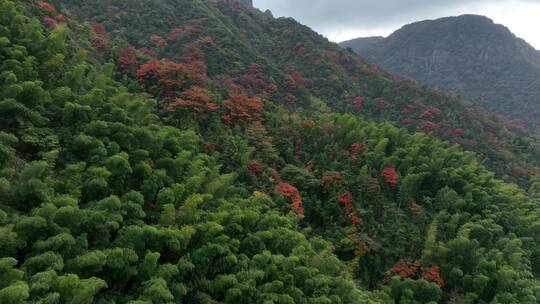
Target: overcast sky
346,19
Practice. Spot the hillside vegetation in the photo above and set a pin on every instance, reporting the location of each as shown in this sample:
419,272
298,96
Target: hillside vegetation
469,55
197,166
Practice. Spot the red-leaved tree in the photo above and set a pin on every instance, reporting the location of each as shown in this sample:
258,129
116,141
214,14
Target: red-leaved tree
255,168
127,58
406,269
242,108
167,79
50,22
195,99
390,176
433,274
46,6
99,36
293,194
346,200
157,41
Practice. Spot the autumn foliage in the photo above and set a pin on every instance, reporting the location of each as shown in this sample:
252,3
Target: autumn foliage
433,274
428,126
157,41
242,108
406,269
390,176
194,99
100,36
294,81
293,194
255,168
50,19
355,221
50,22
346,200
255,82
356,148
46,6
431,112
128,57
167,79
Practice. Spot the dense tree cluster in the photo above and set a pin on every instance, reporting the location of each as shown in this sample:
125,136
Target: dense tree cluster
181,172
101,202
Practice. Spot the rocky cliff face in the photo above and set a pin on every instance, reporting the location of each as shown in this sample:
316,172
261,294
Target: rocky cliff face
470,55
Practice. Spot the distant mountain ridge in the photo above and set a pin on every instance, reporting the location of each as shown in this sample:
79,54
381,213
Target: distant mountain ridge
362,43
469,55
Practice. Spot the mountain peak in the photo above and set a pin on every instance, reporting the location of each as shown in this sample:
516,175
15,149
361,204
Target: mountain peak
470,55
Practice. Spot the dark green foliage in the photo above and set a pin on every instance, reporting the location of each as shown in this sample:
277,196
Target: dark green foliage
109,196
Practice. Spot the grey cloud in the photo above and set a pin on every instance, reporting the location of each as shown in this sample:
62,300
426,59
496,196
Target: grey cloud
328,15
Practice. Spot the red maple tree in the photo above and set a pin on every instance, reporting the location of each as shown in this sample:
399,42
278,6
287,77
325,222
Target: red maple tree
428,126
168,79
292,193
157,41
255,168
99,36
433,274
346,200
431,112
128,57
356,148
46,6
194,99
355,221
241,107
406,269
50,22
254,81
390,176
163,79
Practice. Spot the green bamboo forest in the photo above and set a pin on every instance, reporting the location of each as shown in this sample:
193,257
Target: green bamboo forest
205,152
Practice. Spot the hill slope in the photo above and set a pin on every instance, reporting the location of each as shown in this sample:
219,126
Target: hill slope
361,43
470,55
301,63
128,176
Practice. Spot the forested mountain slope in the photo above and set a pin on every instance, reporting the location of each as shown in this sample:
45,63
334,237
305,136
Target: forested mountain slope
127,176
302,64
358,44
470,55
